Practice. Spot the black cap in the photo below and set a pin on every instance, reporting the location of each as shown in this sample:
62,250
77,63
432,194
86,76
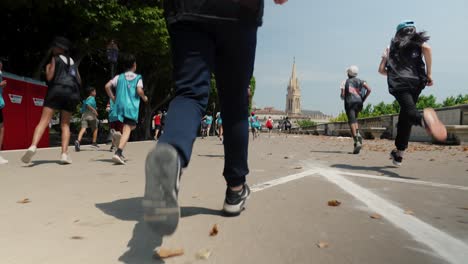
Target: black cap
61,42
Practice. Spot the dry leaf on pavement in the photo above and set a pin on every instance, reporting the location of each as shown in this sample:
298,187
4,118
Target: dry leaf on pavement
334,203
77,237
24,201
298,168
204,254
322,245
463,208
214,230
432,160
409,212
286,157
376,216
168,253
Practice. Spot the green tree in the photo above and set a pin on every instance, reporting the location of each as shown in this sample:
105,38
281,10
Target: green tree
427,101
306,123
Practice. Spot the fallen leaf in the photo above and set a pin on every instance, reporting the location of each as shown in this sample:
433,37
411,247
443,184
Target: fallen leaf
123,181
432,160
409,212
168,253
24,201
322,245
269,154
214,230
76,221
376,216
77,237
462,222
298,168
465,148
204,254
286,157
334,203
463,208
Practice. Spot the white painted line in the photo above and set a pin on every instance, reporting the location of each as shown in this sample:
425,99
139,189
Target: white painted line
384,178
266,185
446,246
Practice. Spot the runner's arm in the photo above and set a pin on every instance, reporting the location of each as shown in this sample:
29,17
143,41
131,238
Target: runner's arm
90,108
369,90
50,70
383,63
142,95
109,92
427,52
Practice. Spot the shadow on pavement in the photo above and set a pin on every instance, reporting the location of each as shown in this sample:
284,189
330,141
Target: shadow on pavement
144,241
35,163
105,160
374,168
331,151
211,156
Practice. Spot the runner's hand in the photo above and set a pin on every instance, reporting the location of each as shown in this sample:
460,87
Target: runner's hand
3,84
430,82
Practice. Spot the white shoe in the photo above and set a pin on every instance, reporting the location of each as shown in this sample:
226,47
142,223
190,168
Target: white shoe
27,157
3,161
65,159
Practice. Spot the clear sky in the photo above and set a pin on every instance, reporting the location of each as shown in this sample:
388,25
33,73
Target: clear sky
328,36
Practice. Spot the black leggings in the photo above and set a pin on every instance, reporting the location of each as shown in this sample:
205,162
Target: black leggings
409,116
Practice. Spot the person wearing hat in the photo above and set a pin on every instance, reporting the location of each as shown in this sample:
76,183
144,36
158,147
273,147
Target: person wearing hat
354,92
63,95
407,63
3,83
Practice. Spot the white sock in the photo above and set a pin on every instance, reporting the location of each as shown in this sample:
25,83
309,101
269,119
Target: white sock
401,153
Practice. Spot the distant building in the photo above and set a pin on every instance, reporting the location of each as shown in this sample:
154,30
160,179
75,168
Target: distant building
293,98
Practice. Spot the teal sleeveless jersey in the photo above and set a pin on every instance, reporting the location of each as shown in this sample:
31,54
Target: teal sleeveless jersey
112,112
127,102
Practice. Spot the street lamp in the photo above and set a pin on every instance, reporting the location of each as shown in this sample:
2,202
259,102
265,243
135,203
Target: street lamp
112,55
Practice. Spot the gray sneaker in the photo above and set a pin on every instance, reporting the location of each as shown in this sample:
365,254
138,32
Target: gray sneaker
235,201
160,205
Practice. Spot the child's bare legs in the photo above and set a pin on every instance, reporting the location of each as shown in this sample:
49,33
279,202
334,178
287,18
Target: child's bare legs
65,124
127,129
95,133
81,134
156,134
47,114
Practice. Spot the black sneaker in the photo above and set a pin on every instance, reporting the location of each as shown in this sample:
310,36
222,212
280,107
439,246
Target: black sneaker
397,159
95,145
357,147
160,205
77,146
235,201
118,158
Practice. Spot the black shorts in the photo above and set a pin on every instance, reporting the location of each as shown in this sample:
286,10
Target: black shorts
1,116
352,112
129,122
158,127
61,98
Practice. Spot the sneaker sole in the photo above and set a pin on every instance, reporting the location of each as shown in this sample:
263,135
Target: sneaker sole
357,149
235,210
160,205
27,157
65,162
117,160
396,163
434,126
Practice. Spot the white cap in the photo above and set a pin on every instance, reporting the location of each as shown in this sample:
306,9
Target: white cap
352,71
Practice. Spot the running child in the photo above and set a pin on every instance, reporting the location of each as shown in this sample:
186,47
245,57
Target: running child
269,125
129,91
254,125
157,125
407,63
208,120
89,119
63,95
354,92
115,126
219,123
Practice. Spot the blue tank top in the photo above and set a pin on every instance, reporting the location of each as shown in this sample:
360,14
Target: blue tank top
127,102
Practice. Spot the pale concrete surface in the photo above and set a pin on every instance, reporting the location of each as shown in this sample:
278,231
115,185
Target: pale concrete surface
100,203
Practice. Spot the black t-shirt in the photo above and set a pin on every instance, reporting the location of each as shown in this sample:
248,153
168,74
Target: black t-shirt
406,69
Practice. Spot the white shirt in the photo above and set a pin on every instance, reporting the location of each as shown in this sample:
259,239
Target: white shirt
129,76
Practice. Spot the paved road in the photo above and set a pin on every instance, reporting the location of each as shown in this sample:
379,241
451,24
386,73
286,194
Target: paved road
89,212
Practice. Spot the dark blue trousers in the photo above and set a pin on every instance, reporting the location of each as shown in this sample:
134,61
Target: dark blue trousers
228,51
